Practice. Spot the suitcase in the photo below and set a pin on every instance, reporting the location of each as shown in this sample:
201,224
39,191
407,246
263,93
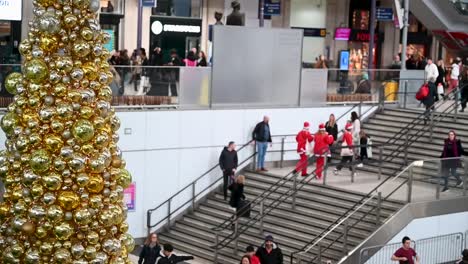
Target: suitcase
243,210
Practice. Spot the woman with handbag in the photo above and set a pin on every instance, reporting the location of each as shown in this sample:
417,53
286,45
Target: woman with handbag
452,149
347,152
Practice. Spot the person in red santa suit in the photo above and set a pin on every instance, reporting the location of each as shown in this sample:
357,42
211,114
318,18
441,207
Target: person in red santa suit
321,148
347,152
303,138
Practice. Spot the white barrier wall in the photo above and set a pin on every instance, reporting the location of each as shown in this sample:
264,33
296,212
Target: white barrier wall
166,150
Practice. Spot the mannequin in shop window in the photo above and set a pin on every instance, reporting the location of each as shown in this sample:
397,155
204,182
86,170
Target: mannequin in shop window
236,18
110,7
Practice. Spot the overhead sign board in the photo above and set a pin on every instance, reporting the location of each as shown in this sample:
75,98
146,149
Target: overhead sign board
149,3
384,14
11,10
163,26
272,8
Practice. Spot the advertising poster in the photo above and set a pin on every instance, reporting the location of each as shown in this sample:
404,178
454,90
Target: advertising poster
130,197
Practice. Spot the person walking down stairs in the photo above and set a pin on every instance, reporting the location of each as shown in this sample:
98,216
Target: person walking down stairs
150,251
347,152
303,138
452,149
321,148
269,252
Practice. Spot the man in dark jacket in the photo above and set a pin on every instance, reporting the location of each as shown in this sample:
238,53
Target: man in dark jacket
262,137
168,258
269,252
228,164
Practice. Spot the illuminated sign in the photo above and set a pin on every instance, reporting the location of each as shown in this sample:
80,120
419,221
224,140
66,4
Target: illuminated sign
11,10
157,28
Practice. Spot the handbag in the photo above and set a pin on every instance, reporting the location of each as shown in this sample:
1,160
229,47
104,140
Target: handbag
346,151
440,89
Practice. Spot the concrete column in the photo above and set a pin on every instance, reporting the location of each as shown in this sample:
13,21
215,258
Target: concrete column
283,20
27,16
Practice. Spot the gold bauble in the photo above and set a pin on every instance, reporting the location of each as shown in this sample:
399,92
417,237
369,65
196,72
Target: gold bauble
68,200
53,143
9,122
95,201
83,130
90,252
55,213
63,231
46,248
32,257
95,184
82,216
49,43
62,255
124,178
25,47
81,48
52,181
36,70
77,250
12,81
40,161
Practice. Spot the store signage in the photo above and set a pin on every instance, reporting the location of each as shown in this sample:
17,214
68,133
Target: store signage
362,36
344,60
150,3
313,32
384,13
342,33
272,8
157,28
130,197
11,10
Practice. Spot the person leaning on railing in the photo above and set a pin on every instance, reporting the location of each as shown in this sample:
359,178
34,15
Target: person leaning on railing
452,149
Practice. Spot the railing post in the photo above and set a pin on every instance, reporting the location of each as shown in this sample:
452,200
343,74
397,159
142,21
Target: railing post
169,214
254,163
431,131
345,238
236,236
465,180
193,196
379,208
360,106
216,247
319,255
410,183
294,192
148,221
299,259
456,105
325,165
406,94
439,183
406,147
380,161
353,169
282,152
261,216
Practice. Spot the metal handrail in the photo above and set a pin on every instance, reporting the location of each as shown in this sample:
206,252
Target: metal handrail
366,202
227,223
378,186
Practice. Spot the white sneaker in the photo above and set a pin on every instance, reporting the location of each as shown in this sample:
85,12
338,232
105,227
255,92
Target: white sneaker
336,172
354,174
360,165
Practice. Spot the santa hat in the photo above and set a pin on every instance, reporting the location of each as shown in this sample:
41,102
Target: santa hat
306,125
322,127
348,126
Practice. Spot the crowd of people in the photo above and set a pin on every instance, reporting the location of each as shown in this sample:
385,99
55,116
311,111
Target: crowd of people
134,70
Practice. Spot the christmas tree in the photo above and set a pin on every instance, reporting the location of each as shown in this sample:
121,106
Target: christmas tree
63,172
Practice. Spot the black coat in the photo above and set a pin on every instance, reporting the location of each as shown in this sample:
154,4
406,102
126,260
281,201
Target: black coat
202,63
429,100
364,87
332,130
259,131
448,152
149,255
172,259
235,19
237,194
228,159
274,257
440,78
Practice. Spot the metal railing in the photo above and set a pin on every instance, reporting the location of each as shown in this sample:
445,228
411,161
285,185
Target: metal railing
380,254
432,250
316,252
401,148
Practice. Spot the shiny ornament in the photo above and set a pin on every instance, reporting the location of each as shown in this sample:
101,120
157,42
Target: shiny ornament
40,161
36,70
83,130
68,200
12,81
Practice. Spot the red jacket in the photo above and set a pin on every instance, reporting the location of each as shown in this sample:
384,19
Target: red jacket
254,260
322,142
302,138
348,138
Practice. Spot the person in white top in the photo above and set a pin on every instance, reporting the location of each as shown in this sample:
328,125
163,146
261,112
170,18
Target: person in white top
356,130
454,75
432,73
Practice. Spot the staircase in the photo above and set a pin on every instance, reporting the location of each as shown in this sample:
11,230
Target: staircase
317,207
382,126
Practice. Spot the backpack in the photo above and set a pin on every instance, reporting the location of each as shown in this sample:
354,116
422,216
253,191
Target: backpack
423,92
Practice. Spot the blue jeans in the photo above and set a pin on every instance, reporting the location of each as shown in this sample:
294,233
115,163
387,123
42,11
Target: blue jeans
261,149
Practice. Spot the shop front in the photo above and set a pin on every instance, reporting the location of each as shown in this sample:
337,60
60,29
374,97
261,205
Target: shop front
358,45
175,33
10,30
110,17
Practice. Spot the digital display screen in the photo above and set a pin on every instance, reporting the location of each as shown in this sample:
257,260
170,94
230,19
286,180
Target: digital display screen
344,60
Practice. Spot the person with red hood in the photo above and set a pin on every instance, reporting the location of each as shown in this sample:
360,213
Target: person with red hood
321,148
347,152
303,138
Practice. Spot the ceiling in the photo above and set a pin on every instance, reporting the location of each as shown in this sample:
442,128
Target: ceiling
441,14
